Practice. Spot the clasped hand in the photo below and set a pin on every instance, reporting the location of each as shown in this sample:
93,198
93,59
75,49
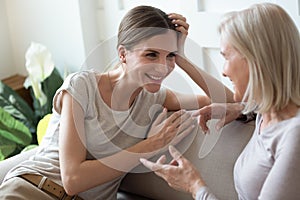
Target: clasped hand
170,130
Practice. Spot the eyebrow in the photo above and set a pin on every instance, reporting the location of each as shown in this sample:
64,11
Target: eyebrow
222,53
154,51
151,50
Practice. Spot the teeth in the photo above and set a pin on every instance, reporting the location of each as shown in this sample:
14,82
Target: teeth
157,78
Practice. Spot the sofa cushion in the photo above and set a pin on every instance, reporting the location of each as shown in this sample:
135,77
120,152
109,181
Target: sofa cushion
219,150
213,154
122,195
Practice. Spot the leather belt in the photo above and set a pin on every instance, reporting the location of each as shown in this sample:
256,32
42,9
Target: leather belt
48,186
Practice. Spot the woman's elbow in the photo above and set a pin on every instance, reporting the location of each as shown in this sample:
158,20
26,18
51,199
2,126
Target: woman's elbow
71,184
204,101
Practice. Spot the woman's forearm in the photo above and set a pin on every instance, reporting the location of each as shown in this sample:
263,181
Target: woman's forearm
213,88
91,173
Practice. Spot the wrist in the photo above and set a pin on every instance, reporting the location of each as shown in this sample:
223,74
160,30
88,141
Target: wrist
245,117
195,187
240,106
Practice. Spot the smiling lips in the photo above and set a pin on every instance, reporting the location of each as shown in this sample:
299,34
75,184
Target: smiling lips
155,78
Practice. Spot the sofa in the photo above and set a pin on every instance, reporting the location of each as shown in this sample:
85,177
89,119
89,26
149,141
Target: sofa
214,154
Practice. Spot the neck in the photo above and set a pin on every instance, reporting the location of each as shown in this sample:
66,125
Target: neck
274,116
124,90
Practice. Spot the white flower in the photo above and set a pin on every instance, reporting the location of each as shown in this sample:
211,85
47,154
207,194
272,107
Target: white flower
39,65
12,99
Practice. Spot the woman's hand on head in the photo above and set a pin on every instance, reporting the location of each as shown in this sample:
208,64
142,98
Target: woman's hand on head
181,26
180,173
180,23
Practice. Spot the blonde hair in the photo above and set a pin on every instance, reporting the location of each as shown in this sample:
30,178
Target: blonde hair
269,40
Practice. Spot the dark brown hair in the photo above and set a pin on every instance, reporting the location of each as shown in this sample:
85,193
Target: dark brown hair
142,22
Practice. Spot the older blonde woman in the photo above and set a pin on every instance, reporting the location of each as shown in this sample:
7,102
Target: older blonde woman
261,47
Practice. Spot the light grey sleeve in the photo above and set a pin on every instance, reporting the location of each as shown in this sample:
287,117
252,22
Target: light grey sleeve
205,194
283,181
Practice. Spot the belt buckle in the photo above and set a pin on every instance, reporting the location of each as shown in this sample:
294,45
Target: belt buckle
63,196
74,197
66,196
42,182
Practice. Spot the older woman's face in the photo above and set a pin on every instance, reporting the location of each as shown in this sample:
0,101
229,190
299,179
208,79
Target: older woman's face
152,60
236,69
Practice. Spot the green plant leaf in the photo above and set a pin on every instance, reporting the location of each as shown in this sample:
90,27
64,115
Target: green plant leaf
7,147
17,107
14,130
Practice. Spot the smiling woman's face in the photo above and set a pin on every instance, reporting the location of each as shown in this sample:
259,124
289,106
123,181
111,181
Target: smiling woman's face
152,60
236,69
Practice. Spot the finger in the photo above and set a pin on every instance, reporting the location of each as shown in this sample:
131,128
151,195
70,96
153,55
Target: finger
161,117
182,135
176,155
195,113
220,124
161,160
203,122
182,30
204,111
182,119
176,16
150,165
174,116
184,125
180,22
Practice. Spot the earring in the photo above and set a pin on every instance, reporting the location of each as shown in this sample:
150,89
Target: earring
122,59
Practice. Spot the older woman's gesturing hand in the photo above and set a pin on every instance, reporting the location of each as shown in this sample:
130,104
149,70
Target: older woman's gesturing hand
225,112
180,173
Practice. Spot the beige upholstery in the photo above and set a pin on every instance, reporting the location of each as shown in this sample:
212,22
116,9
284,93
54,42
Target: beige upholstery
216,166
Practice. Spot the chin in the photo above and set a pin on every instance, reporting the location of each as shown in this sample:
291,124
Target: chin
153,88
237,97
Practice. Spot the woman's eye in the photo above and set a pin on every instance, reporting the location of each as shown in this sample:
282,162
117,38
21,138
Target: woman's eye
171,55
151,55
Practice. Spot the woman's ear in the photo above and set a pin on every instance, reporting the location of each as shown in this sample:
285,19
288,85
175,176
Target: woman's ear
122,53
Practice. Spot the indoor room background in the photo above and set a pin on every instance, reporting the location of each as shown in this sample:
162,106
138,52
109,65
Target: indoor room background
82,33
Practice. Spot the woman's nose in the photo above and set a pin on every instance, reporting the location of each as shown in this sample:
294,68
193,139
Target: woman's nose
225,66
162,61
223,73
162,69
